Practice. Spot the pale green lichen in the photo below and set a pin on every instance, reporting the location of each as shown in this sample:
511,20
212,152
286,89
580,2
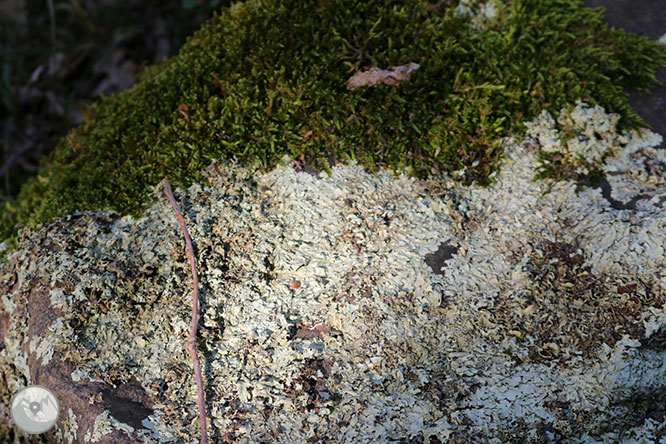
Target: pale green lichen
585,134
61,299
8,304
481,14
80,375
155,427
655,320
585,144
11,353
102,426
43,346
67,429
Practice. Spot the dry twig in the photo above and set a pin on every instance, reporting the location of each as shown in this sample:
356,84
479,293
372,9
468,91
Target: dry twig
191,343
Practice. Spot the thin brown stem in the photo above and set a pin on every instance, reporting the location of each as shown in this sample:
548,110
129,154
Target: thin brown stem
191,343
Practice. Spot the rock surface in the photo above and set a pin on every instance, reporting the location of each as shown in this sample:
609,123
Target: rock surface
424,310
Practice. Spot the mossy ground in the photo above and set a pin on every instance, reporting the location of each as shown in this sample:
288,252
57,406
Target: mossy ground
267,78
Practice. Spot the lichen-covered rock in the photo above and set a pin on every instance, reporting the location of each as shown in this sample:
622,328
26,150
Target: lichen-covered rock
425,310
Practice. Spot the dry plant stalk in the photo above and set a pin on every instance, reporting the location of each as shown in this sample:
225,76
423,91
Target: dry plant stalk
191,343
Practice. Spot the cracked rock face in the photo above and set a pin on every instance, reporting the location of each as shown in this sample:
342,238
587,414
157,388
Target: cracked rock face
359,308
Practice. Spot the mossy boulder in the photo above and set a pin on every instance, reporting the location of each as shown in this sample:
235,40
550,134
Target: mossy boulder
267,78
353,308
371,342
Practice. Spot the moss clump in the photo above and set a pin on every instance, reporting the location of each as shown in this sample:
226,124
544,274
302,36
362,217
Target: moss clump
267,78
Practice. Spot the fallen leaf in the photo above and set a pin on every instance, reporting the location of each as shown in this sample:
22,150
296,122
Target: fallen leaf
376,75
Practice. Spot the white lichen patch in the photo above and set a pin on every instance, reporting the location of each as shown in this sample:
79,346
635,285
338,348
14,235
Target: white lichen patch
591,132
156,429
654,320
480,13
44,346
11,355
325,317
81,375
587,138
637,169
8,304
102,426
66,432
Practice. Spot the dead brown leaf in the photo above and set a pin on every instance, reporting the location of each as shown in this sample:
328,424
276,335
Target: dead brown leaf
377,75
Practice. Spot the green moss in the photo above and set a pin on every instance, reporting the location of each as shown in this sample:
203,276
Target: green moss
268,78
